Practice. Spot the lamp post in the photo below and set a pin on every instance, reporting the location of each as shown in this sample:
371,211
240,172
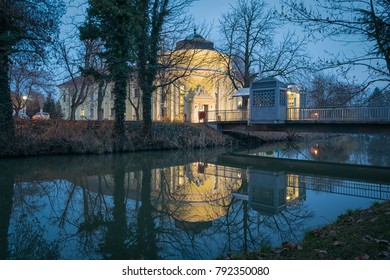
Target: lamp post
24,97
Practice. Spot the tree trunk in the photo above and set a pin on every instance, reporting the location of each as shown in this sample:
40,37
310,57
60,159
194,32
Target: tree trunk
72,113
147,110
120,82
6,120
100,101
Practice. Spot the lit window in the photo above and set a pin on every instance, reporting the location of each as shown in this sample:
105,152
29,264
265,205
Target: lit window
82,113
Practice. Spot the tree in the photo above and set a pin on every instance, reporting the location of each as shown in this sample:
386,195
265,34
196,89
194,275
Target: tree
327,90
379,98
248,31
98,70
25,27
27,77
111,22
149,18
363,21
77,56
52,107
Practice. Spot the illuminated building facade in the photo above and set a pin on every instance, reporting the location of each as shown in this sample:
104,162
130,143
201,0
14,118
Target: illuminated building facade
193,82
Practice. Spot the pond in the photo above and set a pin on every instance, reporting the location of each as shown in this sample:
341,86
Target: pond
179,204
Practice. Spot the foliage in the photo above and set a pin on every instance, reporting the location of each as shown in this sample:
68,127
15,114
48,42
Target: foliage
110,21
148,21
52,107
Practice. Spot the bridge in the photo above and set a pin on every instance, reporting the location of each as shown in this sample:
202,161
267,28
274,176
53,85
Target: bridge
274,175
357,119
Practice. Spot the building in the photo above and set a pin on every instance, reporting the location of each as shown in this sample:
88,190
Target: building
194,84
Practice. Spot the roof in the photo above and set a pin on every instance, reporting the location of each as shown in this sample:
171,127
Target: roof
194,41
78,80
241,92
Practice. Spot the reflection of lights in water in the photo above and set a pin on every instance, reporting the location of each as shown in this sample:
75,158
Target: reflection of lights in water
315,150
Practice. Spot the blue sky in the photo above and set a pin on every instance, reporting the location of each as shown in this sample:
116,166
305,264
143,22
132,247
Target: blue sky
209,12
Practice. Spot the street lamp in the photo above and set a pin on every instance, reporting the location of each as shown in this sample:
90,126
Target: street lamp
24,97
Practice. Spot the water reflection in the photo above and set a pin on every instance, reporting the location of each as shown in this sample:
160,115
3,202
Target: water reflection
167,205
355,149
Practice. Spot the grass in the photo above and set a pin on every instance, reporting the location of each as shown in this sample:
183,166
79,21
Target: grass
360,234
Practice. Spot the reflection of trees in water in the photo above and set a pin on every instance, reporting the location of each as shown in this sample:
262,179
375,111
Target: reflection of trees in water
28,234
378,149
290,224
127,215
336,148
7,180
27,242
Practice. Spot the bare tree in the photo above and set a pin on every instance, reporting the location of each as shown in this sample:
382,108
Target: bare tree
80,81
248,31
366,22
326,90
27,77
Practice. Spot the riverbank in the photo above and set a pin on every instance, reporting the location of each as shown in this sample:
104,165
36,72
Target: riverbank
356,235
55,137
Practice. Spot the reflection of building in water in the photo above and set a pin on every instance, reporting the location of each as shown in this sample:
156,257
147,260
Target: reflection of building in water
270,192
197,193
193,194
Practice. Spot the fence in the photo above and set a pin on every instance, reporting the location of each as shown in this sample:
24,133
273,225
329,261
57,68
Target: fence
340,114
224,115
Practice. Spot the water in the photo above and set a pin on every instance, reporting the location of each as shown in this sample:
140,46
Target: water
175,205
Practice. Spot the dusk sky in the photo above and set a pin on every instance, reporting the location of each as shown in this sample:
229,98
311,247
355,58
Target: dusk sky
209,12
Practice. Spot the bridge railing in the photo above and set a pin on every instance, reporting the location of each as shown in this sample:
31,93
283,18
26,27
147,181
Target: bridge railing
226,115
340,114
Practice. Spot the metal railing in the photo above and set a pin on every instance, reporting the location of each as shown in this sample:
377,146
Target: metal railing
338,186
340,114
225,115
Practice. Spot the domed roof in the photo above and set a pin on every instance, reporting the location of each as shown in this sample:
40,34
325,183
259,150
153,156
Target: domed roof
194,41
195,36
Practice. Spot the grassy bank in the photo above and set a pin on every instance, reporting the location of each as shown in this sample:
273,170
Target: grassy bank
360,234
84,137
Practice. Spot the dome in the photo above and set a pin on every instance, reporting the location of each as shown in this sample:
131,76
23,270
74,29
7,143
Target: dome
194,41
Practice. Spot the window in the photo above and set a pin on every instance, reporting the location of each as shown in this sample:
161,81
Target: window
136,92
112,112
64,97
91,113
263,98
82,113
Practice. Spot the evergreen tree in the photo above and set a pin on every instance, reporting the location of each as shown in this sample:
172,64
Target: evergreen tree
52,107
110,20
